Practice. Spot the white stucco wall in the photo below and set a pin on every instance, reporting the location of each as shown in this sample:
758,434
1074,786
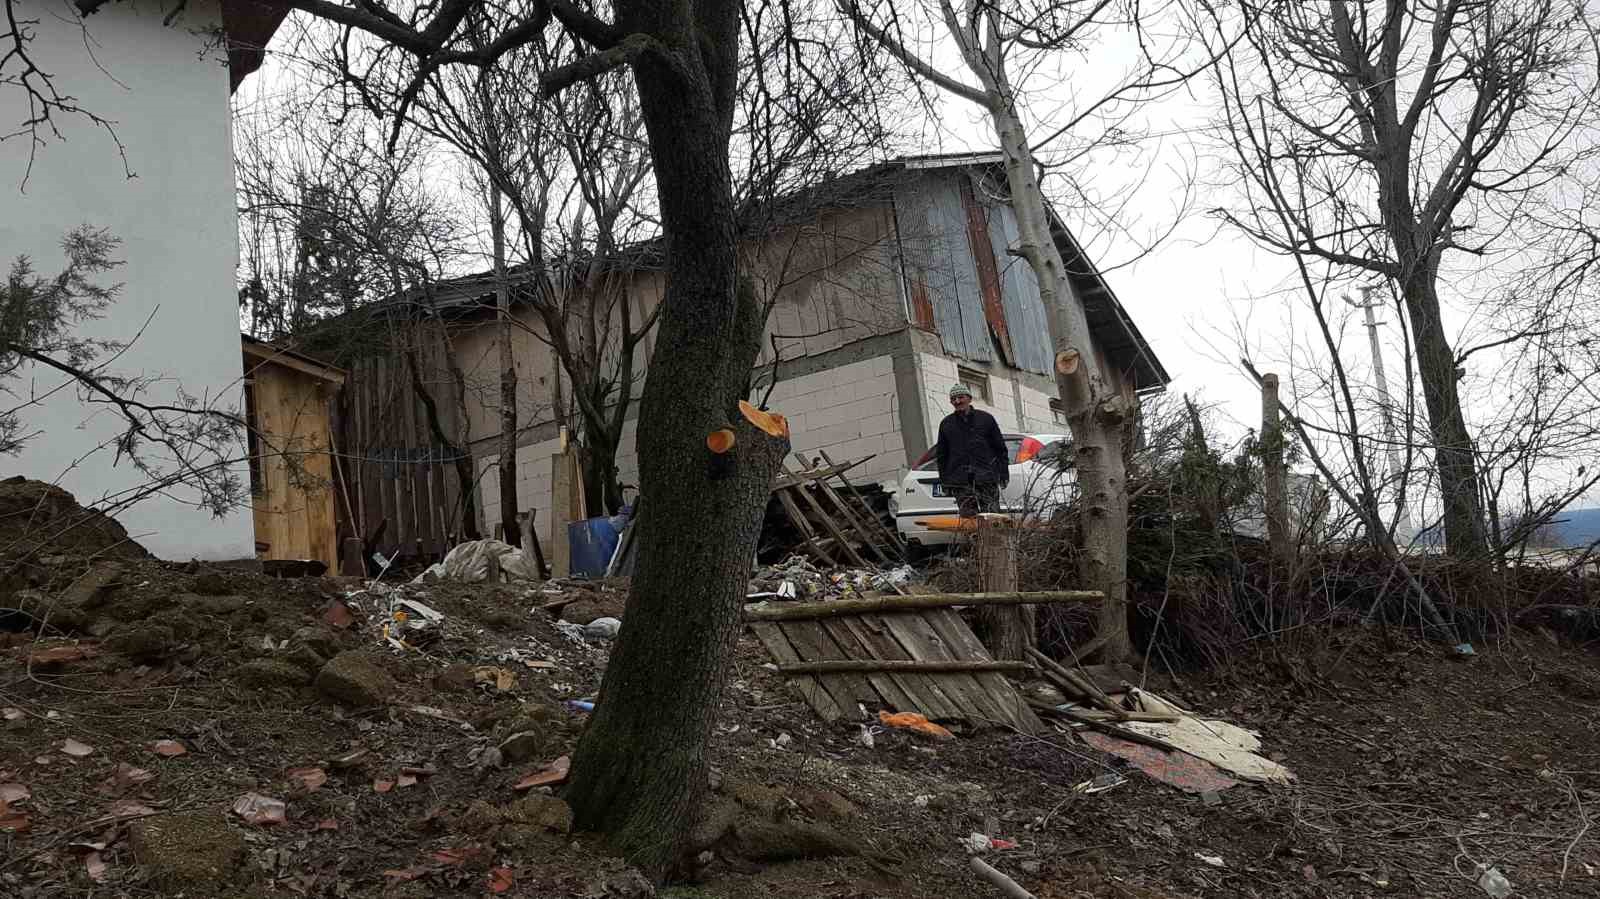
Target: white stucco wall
849,411
167,94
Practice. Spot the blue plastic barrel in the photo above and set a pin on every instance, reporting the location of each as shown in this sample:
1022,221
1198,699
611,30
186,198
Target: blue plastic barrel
593,541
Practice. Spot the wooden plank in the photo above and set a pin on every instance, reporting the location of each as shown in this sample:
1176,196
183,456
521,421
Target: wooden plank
804,526
889,533
929,694
914,602
911,666
832,527
924,644
1003,696
895,689
809,688
423,512
814,644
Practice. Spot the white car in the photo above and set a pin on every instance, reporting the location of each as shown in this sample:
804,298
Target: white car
1042,480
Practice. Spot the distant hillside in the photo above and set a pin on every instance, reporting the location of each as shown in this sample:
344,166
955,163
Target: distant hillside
1577,527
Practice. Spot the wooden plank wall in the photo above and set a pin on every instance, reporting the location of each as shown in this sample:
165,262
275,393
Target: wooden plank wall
295,512
392,465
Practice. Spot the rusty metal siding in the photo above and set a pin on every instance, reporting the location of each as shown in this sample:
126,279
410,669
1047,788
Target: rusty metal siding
983,257
933,238
1019,295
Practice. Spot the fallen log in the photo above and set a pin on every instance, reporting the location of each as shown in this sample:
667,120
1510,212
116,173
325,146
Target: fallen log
902,666
912,603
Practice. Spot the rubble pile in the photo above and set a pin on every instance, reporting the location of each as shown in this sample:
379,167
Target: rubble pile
797,578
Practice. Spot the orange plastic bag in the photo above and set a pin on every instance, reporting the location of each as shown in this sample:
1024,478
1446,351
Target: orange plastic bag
916,722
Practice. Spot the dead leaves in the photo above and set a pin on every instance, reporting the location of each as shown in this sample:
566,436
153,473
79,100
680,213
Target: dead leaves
501,879
553,773
500,678
75,749
382,786
11,821
255,808
10,714
168,749
125,778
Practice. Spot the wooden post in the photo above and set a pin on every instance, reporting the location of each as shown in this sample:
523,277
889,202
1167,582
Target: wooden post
1010,630
1274,487
352,562
564,486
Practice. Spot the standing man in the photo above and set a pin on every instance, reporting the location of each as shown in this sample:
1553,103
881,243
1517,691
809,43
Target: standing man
974,464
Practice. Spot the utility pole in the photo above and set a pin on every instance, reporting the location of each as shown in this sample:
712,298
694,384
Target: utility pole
1385,405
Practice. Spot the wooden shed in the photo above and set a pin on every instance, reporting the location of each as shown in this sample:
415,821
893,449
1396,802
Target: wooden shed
288,405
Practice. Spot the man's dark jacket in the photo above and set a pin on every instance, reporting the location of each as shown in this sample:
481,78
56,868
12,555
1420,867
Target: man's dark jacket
971,449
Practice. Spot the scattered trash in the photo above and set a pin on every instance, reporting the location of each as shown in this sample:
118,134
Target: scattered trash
603,629
797,578
469,563
1227,746
1214,861
782,742
916,722
580,705
1100,784
500,678
349,759
976,843
501,879
382,786
255,808
168,748
75,749
1178,769
1494,883
573,632
553,773
309,779
13,822
867,736
1211,797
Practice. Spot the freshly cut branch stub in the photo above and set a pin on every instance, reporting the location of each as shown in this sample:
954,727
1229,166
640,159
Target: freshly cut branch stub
720,441
771,422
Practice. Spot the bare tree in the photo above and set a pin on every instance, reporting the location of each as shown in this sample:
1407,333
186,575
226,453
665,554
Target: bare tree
1383,138
994,41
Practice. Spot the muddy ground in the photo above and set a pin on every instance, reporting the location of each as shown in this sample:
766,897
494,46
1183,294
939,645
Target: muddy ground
146,703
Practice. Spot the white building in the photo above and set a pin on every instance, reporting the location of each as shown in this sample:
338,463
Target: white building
168,194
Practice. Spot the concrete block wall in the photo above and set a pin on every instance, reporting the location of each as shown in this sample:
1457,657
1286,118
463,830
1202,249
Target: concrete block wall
1036,415
534,479
850,411
939,375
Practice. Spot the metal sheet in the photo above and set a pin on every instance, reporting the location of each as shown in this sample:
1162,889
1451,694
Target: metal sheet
983,258
1019,294
933,238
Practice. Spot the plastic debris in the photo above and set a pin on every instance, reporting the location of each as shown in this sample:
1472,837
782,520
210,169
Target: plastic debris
469,563
1494,883
1214,861
580,705
915,722
255,808
1100,784
603,629
867,736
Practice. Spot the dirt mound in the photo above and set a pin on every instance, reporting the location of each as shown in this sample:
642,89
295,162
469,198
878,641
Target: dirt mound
36,517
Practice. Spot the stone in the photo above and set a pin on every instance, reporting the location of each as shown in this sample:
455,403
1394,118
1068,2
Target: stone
143,642
306,659
266,674
220,606
603,629
455,678
354,679
479,817
321,640
521,746
548,812
89,590
189,851
625,884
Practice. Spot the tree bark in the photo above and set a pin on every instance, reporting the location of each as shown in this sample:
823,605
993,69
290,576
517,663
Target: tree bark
1096,413
1274,487
640,769
510,520
1452,445
1009,630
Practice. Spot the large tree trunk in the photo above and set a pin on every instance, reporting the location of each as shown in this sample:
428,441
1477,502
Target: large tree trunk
1452,445
640,769
1096,412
